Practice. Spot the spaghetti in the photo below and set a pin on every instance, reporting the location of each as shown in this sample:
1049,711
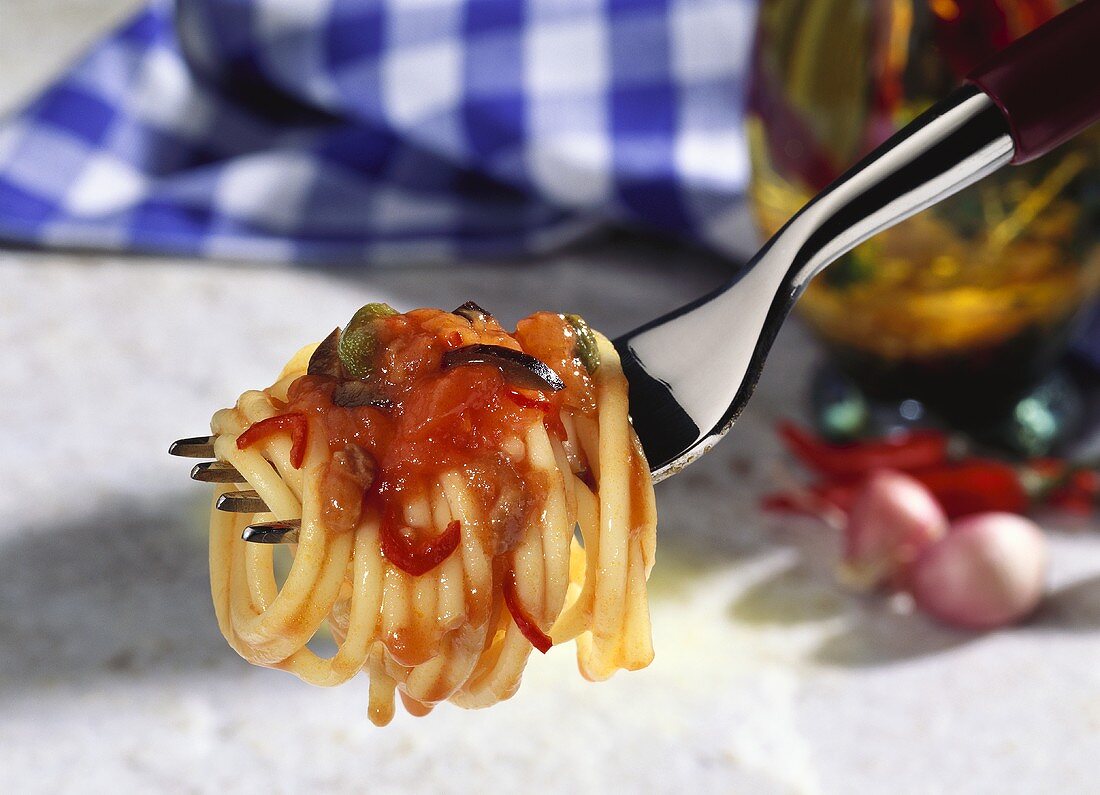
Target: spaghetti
440,467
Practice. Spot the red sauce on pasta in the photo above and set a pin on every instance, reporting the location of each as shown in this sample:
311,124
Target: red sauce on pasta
430,419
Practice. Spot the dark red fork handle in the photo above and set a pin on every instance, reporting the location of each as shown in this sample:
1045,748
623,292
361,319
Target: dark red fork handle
1047,84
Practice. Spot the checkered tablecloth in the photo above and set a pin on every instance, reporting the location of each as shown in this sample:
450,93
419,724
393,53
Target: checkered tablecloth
365,130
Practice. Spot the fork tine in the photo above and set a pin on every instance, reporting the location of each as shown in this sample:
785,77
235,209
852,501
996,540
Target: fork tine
216,472
193,447
273,532
241,502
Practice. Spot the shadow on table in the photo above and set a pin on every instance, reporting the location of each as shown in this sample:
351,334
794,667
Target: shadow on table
872,633
1075,607
122,591
880,636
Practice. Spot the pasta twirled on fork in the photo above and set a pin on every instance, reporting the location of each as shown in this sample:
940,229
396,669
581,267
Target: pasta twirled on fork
440,467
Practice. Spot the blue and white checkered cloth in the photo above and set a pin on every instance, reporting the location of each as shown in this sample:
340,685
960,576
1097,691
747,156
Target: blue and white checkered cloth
375,130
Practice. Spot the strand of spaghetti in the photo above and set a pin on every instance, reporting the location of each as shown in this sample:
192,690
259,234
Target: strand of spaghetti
645,507
529,573
424,591
259,571
571,445
396,607
440,678
312,584
435,680
577,559
476,561
223,530
254,406
240,604
339,618
635,645
276,635
366,598
261,476
577,617
494,638
564,465
614,490
588,436
257,406
266,478
451,600
556,530
382,686
501,679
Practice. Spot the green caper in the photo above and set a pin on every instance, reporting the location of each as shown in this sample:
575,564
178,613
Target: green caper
359,339
588,351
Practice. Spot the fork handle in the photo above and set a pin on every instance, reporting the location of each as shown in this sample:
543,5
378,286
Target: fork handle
1045,83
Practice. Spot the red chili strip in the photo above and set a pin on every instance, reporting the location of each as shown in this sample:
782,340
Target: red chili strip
551,414
414,557
294,423
539,639
976,485
905,452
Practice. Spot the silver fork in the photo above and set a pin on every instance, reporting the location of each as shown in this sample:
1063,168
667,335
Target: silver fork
692,371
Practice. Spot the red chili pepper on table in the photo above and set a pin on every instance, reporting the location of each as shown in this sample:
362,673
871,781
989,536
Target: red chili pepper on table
1079,494
294,422
971,486
966,486
976,485
906,452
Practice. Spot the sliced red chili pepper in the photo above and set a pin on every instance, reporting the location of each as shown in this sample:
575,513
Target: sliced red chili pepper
539,639
294,423
906,452
551,414
418,557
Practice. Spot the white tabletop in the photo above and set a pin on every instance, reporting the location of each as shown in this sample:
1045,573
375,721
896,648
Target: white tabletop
768,677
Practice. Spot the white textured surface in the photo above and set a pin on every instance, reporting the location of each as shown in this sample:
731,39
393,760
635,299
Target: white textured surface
113,677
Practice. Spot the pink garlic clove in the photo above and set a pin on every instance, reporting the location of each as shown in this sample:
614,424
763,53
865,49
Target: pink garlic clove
892,521
989,571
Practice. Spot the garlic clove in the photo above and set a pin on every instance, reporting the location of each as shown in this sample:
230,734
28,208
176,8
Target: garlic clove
988,571
892,521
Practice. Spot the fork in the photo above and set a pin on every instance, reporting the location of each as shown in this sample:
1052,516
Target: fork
692,371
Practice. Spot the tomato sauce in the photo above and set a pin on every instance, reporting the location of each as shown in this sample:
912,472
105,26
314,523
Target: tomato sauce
427,420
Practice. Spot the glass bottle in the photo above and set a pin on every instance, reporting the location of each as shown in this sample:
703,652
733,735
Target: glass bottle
967,306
